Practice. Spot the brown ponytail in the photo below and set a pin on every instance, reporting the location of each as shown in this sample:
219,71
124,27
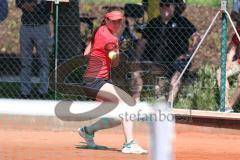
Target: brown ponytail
91,39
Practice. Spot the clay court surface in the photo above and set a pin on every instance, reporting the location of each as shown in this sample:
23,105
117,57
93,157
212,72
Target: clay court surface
20,144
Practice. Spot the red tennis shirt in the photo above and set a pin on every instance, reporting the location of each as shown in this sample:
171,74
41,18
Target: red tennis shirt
99,63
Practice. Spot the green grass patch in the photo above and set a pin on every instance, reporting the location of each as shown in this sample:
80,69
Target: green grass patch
111,1
210,3
203,93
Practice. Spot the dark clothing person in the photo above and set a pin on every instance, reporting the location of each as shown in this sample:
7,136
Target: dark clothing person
166,42
3,9
40,13
34,32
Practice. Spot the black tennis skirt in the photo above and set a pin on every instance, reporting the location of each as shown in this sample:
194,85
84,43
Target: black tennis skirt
91,86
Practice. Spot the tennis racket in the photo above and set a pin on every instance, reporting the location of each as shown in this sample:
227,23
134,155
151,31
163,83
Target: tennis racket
123,45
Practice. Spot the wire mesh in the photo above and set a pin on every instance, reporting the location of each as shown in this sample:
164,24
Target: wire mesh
153,51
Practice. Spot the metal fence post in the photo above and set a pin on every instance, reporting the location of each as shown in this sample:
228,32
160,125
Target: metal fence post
223,56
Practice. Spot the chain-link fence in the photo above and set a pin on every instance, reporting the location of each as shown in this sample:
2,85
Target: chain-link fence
42,45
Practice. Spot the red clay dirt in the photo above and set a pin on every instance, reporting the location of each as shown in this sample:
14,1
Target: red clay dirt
64,145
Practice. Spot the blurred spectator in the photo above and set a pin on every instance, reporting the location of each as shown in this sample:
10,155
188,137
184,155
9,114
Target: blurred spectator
134,25
180,6
166,40
232,64
3,9
232,68
34,32
235,12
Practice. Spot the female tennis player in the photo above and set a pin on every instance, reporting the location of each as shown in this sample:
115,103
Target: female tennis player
98,84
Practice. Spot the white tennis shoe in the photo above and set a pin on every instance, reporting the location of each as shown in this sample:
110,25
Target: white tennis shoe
133,148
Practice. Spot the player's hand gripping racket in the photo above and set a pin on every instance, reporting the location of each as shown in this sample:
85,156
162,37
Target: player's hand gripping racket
123,45
111,46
